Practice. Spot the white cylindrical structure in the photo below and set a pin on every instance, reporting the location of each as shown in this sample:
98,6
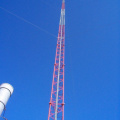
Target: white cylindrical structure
6,91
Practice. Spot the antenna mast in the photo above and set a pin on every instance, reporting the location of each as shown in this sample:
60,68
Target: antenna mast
56,104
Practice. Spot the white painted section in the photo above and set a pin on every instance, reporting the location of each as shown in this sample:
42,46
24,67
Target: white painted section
62,17
6,91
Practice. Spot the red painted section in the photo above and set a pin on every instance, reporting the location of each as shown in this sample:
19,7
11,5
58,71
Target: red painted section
63,5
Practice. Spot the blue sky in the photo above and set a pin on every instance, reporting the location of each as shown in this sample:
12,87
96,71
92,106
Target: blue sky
91,58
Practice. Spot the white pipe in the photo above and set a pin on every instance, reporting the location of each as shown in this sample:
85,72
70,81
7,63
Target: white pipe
6,91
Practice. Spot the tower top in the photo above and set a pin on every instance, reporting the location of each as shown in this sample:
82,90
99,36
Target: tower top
63,1
63,4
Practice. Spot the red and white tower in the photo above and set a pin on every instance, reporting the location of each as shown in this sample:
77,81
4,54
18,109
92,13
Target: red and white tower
56,104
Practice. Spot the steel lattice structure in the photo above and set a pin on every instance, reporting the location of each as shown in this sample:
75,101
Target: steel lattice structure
56,104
